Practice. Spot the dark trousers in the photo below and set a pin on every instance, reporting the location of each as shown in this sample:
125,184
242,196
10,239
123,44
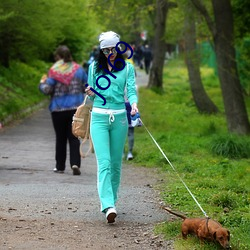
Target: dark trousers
147,65
130,129
131,139
62,122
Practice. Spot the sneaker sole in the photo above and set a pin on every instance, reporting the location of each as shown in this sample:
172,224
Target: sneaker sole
111,217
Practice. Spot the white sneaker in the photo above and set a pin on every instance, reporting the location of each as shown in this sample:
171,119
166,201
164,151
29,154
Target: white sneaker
58,171
130,156
111,214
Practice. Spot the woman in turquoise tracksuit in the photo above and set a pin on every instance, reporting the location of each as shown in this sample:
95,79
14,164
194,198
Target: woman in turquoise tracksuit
109,123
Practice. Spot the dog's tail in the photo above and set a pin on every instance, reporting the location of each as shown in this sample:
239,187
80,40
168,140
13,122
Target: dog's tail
175,213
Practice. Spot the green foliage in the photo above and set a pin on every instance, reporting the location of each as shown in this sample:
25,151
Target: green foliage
243,59
224,200
231,146
128,18
175,25
219,183
176,18
19,87
29,33
241,17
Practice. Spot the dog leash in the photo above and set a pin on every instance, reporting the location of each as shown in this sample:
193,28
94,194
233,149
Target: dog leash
174,169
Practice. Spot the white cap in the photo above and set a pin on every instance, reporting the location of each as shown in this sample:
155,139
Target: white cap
108,39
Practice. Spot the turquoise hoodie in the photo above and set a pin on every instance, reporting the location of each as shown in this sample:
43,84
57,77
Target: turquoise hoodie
114,94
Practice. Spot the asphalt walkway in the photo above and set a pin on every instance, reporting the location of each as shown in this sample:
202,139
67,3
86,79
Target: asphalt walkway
31,190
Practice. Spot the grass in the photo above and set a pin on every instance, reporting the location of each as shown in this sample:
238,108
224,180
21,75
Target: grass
19,88
214,164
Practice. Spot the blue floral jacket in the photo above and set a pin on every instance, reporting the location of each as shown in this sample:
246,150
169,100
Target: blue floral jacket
65,97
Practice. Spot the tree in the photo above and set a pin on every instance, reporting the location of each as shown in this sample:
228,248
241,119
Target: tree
159,44
129,18
241,17
223,38
201,99
242,33
28,33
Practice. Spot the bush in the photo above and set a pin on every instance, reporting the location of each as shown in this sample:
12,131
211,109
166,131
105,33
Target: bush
19,88
231,146
224,200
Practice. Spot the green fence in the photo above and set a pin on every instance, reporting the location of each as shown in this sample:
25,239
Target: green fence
208,58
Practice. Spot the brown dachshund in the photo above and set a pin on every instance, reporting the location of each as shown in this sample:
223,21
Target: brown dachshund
204,229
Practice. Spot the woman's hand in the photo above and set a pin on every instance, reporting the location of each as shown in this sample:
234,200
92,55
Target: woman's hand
89,92
134,109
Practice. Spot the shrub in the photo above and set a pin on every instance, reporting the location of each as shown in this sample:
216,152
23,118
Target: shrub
231,146
223,200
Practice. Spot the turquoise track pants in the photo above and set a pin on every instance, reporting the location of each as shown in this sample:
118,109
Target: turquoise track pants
108,136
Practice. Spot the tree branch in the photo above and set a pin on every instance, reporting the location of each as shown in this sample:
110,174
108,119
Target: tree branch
202,9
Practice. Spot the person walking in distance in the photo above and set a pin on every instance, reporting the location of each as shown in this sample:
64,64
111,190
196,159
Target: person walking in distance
131,129
109,123
130,133
65,84
147,54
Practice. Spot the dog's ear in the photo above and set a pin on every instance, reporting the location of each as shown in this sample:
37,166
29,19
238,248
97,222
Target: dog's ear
228,237
214,235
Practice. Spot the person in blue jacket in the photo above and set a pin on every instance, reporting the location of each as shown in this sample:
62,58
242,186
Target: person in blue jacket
109,124
65,83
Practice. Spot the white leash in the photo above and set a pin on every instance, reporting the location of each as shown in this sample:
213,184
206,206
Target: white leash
174,169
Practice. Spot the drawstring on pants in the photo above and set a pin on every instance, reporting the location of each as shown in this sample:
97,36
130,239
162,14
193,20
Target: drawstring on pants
111,117
109,112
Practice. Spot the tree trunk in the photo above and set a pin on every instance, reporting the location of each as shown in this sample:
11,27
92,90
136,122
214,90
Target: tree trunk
159,48
235,109
201,99
223,38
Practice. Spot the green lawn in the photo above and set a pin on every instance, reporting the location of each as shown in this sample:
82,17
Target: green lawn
19,88
214,164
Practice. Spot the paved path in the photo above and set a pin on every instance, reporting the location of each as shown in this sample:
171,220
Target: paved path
30,192
141,78
27,160
26,163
